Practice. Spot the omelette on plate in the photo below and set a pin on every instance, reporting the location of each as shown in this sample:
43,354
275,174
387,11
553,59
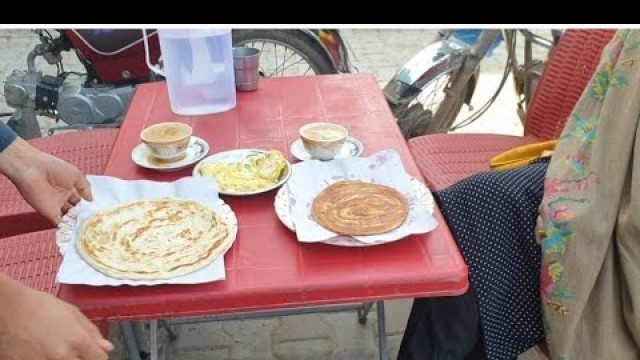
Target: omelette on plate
253,173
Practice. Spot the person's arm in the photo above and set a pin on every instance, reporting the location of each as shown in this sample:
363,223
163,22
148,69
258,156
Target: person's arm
49,184
15,153
37,326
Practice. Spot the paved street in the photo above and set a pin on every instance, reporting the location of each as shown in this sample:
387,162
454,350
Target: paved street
336,336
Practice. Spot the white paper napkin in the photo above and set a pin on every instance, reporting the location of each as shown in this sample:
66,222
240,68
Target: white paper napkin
110,191
385,167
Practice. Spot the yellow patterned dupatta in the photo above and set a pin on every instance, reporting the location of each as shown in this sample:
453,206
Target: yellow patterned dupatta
590,276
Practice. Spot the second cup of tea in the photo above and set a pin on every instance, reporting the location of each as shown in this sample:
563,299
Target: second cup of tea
246,63
323,140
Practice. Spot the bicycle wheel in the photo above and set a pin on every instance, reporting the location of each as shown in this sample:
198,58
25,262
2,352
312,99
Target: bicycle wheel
285,52
418,116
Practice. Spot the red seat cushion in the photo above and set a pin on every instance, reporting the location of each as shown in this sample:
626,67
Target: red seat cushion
32,259
87,150
444,159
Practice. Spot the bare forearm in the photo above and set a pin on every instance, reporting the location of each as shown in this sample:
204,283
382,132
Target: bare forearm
15,158
37,326
11,291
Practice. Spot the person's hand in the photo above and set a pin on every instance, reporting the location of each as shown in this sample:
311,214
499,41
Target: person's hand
49,184
52,186
539,230
37,326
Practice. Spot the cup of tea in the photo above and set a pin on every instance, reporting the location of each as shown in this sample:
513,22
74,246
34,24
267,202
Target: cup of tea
323,140
167,141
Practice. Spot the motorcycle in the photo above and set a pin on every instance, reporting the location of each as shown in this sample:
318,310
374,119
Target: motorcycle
425,95
114,63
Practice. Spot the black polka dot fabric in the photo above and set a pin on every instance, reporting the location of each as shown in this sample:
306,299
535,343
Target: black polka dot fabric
492,217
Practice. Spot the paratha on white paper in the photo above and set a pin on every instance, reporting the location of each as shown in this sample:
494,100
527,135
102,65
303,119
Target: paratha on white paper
153,239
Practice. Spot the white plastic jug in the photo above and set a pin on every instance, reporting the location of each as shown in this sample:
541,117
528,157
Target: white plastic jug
198,67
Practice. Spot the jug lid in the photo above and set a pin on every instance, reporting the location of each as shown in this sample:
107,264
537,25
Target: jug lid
191,33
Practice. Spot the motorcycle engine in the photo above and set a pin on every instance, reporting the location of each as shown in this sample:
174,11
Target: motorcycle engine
67,97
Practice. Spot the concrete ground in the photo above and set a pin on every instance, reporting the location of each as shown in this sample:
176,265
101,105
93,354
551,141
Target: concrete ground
336,336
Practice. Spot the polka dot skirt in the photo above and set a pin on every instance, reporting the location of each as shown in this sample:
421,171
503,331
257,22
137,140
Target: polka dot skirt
492,217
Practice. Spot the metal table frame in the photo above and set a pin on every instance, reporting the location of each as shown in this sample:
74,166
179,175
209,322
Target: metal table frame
363,310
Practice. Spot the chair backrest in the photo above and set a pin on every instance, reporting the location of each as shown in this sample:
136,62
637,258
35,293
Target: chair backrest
563,80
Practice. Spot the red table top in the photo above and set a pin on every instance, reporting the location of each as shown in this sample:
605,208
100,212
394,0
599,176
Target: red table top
267,268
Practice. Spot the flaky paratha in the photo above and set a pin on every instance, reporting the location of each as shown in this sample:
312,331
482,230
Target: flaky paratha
351,207
153,239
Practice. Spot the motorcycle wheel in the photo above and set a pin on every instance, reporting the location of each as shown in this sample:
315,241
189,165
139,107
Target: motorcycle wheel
416,117
285,52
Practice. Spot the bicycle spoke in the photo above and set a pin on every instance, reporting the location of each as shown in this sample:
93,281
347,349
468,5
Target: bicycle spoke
275,52
262,70
436,90
292,64
287,65
275,71
284,63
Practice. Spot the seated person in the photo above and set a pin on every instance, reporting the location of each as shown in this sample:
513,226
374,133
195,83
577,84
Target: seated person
580,288
492,217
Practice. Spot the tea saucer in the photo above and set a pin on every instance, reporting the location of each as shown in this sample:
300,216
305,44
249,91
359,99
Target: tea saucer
196,151
352,148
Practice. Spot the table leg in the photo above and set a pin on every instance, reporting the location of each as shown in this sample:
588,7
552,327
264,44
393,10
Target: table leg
142,338
153,324
130,341
382,332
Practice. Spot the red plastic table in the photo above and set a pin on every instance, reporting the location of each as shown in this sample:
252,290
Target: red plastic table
267,268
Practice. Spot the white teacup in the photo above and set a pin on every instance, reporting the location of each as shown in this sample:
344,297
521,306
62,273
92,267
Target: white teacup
167,141
323,140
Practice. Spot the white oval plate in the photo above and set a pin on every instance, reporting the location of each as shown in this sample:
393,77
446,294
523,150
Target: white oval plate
352,148
196,151
64,234
239,155
283,211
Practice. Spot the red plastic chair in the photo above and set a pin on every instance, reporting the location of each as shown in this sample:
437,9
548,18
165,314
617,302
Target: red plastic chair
445,159
32,259
88,150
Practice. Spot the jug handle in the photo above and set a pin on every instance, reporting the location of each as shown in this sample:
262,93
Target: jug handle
151,67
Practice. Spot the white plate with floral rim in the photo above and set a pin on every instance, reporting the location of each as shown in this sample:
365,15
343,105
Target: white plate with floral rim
196,151
283,211
352,148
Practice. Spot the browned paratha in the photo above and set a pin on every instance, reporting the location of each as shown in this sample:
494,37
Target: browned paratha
352,207
153,239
